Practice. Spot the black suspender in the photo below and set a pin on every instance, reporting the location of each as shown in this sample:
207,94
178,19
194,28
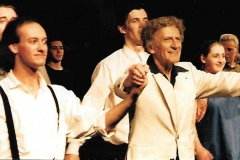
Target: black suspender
10,125
56,102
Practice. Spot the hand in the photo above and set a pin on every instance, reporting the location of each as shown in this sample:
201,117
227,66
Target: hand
137,90
136,75
71,157
203,154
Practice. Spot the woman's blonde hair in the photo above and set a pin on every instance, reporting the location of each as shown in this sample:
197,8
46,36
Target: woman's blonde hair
228,37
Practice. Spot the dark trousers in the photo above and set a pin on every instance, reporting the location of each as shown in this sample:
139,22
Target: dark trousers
98,149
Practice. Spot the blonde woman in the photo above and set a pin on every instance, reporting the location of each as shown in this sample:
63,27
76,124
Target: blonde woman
231,45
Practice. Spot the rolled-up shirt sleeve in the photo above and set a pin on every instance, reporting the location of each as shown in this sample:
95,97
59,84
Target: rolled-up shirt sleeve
86,124
119,88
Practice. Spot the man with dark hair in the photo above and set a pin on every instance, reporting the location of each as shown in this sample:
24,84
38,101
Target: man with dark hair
36,118
7,14
131,19
56,72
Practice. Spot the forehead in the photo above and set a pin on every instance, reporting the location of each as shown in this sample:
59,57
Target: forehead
56,43
217,49
137,13
31,30
168,31
7,12
228,43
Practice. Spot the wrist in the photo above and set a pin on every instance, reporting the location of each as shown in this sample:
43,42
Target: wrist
127,82
129,99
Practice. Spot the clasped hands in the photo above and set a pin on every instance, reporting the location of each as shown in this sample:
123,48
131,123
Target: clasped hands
136,80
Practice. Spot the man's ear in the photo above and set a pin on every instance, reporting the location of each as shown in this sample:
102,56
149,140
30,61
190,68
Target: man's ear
13,48
121,29
203,58
150,48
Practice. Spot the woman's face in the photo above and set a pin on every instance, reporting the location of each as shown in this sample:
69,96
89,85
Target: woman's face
215,60
231,49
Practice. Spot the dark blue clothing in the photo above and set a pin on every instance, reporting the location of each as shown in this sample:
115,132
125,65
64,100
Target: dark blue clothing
219,130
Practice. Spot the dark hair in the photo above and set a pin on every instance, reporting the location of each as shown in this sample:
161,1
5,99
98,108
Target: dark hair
10,35
124,9
5,5
52,38
6,60
204,50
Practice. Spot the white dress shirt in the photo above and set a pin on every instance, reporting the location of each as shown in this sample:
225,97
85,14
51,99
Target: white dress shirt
35,121
101,93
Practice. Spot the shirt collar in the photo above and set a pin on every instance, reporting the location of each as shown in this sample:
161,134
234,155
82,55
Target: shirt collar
15,83
175,69
132,56
229,67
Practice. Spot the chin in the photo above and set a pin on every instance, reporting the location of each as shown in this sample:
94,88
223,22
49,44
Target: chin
41,64
176,60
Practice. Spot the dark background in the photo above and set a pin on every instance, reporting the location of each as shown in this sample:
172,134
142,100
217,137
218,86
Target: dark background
88,28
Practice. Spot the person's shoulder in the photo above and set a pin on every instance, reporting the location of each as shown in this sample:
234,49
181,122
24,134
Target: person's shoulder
186,65
49,69
227,68
112,59
64,95
68,71
3,74
112,56
61,90
238,68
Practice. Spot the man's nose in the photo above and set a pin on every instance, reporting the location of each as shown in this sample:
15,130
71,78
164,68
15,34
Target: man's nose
42,47
175,44
142,23
58,49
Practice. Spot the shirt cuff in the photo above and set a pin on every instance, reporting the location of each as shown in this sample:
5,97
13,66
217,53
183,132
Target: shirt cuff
119,88
73,148
101,125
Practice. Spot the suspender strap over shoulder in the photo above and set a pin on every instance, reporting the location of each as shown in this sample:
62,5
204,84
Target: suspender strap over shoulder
10,126
56,101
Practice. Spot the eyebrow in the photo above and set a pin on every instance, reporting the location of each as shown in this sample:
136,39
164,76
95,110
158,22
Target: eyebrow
3,17
32,38
13,18
37,38
56,45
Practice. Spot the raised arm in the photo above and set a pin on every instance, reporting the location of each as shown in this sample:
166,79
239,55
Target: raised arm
115,114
